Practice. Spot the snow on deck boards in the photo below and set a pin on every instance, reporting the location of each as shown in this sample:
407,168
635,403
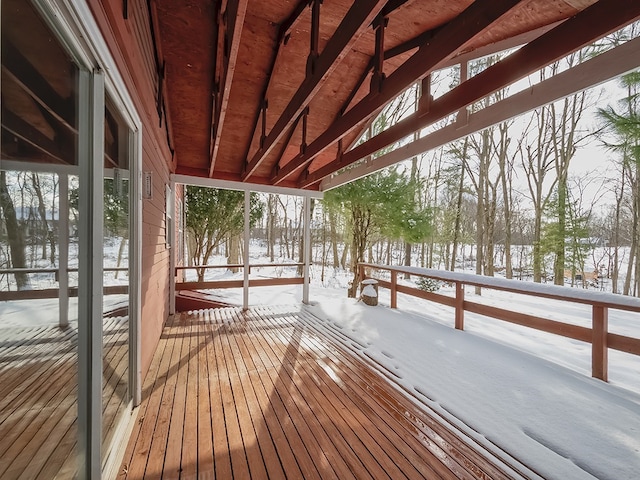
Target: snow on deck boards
263,394
38,397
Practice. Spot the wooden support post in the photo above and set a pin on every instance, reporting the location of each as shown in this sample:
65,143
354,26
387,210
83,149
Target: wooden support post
307,249
303,143
63,259
315,35
424,102
459,306
599,355
263,134
394,290
378,59
245,252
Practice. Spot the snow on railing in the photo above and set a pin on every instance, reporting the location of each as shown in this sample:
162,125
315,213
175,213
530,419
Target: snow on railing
598,335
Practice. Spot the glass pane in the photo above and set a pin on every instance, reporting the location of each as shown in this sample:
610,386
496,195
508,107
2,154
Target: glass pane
38,331
115,389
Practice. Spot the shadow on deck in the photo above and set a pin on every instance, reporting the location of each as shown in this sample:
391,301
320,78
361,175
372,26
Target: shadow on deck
263,394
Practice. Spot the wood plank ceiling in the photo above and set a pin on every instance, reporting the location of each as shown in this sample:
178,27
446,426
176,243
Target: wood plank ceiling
275,92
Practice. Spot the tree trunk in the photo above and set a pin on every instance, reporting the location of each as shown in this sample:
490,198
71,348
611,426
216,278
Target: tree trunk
15,235
334,239
234,252
42,213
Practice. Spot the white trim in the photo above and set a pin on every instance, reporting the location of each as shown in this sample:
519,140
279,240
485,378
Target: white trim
20,166
172,251
63,250
251,187
245,253
78,31
90,258
307,248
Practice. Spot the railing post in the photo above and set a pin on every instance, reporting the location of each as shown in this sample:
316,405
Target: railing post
307,248
394,290
63,257
599,348
459,306
245,252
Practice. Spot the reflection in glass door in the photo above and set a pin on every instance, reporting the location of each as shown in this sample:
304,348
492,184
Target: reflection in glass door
116,300
38,250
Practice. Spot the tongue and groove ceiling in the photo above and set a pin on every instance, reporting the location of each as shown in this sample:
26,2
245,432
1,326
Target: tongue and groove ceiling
276,92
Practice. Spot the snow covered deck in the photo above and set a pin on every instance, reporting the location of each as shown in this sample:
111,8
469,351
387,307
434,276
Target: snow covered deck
38,397
265,394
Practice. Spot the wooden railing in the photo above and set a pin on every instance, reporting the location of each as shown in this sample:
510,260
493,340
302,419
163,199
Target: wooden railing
34,294
253,282
598,335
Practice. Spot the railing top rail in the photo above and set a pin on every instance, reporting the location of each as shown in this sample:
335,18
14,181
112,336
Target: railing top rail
54,270
556,292
239,265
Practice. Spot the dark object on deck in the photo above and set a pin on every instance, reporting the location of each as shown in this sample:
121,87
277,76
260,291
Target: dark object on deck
369,291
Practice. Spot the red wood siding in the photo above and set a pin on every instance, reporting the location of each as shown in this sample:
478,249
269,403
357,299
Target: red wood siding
131,44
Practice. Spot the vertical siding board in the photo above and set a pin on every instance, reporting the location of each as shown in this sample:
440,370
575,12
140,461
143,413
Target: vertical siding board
131,45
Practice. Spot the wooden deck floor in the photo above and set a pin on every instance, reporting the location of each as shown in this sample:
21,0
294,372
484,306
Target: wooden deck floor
38,397
263,394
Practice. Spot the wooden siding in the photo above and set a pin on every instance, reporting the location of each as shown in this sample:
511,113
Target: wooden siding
131,44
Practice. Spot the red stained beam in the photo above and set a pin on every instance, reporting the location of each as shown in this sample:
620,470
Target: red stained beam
596,21
446,42
235,13
354,24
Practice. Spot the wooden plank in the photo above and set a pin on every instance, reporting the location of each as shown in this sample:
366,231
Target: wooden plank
239,461
380,440
444,443
550,326
168,448
624,344
204,448
248,440
157,392
327,457
279,422
189,459
274,398
261,413
334,420
222,456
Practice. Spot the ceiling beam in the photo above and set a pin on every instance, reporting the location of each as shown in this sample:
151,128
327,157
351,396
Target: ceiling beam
233,20
597,70
445,43
354,24
595,22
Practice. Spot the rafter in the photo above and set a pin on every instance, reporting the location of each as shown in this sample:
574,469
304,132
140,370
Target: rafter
23,73
354,23
594,71
445,43
234,15
583,29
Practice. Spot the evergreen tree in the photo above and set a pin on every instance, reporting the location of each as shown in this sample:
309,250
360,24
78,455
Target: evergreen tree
214,214
380,204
